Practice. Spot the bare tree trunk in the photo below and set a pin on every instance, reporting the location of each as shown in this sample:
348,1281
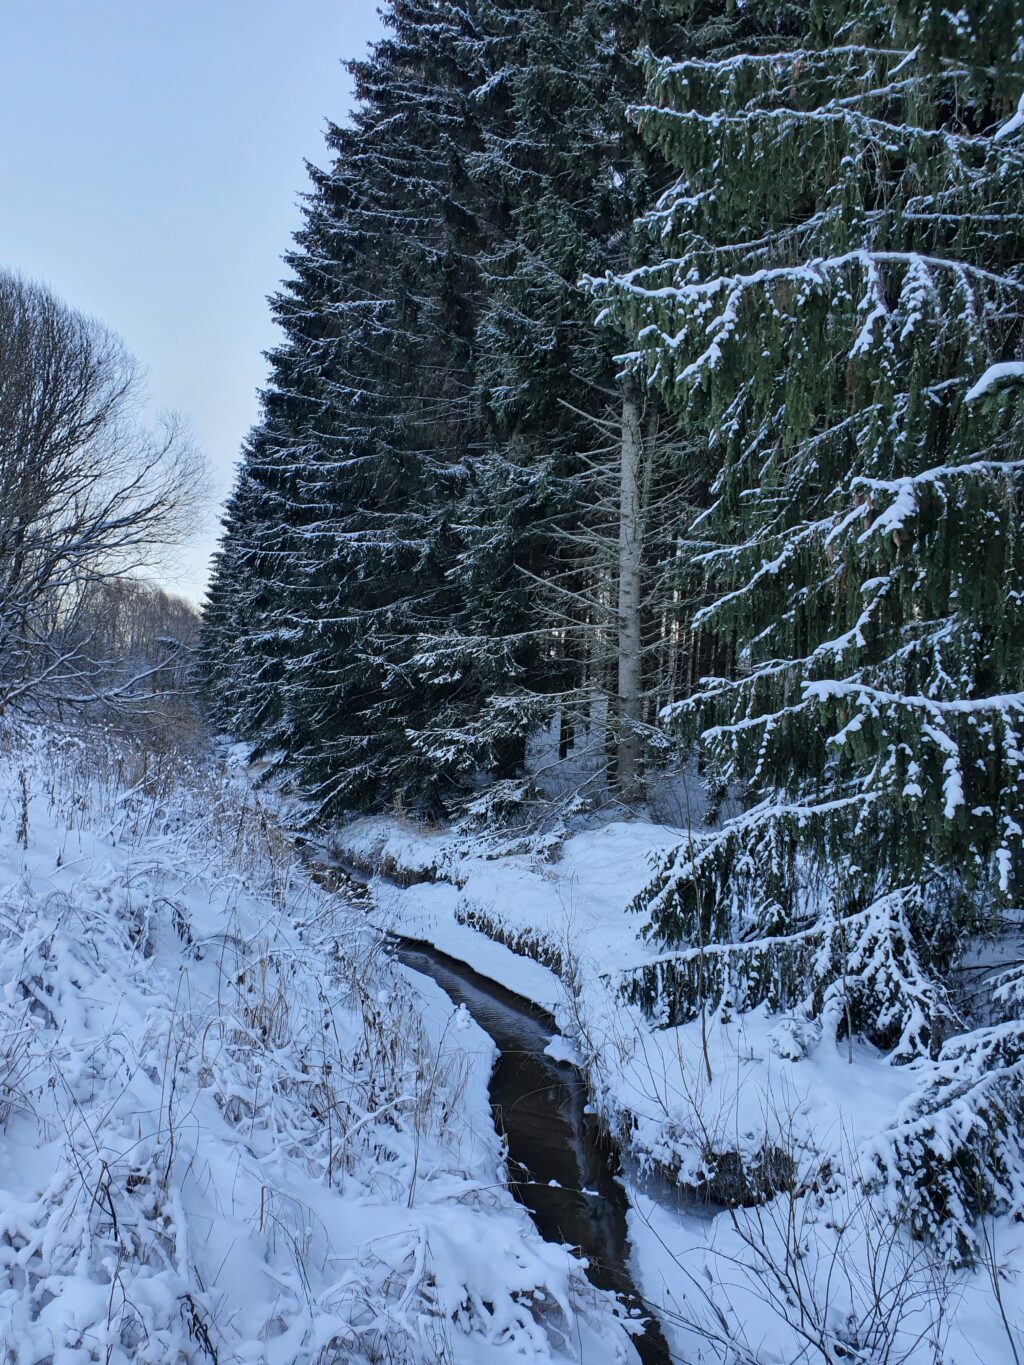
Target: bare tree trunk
631,545
566,731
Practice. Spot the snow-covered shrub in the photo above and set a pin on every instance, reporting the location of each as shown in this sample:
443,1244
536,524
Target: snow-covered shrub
818,1274
755,936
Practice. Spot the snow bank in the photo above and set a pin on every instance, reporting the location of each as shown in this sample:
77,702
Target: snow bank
233,1130
800,1109
645,1079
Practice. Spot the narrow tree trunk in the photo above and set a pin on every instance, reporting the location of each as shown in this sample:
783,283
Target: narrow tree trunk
509,755
566,732
630,562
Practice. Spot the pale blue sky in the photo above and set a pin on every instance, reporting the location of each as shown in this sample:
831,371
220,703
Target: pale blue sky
151,158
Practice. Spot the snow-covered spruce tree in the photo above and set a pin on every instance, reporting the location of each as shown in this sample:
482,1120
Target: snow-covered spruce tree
841,312
243,640
563,168
423,469
366,423
392,430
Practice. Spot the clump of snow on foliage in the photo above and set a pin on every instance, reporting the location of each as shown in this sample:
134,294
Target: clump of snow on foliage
995,374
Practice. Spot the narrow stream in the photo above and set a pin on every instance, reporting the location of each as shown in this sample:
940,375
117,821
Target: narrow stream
560,1166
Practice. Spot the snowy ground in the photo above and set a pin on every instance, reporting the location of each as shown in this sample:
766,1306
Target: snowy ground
232,1129
852,1281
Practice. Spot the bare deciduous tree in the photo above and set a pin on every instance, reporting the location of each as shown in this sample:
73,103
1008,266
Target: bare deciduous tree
139,641
88,493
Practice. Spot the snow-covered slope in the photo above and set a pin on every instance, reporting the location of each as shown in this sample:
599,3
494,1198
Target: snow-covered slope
825,1265
232,1129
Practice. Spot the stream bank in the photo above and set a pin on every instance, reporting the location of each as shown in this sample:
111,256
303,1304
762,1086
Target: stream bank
562,1166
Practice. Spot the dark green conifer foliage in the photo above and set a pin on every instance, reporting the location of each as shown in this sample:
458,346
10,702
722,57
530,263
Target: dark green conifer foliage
566,173
842,314
239,660
417,463
366,426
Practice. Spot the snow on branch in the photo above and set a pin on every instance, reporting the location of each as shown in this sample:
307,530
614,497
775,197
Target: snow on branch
953,1153
973,706
993,376
1012,125
853,971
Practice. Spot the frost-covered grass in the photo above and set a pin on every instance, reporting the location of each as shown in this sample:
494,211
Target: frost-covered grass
826,1265
232,1128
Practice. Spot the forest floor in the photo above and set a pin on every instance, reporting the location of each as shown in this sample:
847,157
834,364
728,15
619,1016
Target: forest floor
822,1271
232,1128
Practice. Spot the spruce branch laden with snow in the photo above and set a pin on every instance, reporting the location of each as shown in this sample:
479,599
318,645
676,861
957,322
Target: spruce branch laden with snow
840,313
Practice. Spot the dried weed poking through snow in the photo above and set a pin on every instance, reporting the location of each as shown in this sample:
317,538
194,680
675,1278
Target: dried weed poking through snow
230,1130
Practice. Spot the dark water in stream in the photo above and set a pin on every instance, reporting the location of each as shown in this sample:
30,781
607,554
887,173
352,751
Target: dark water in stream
559,1165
